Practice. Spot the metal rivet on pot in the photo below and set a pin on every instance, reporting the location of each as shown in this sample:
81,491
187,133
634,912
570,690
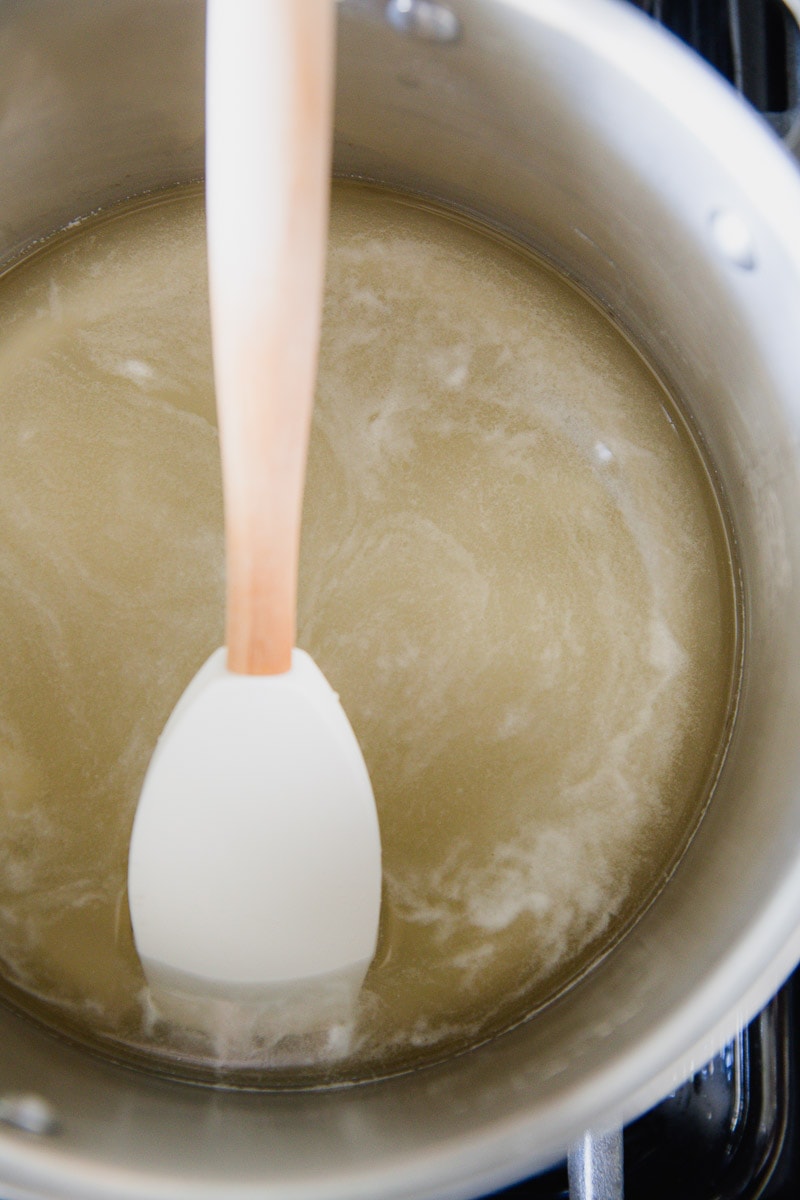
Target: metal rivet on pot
424,19
28,1112
733,237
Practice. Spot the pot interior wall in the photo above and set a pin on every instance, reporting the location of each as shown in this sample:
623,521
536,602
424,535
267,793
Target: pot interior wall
551,121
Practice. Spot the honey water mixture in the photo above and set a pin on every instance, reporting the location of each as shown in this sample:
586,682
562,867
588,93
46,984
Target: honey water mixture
514,571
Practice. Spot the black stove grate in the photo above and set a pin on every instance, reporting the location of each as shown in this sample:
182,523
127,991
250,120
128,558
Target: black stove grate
755,44
729,1133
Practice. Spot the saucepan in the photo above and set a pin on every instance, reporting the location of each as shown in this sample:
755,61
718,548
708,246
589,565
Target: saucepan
582,130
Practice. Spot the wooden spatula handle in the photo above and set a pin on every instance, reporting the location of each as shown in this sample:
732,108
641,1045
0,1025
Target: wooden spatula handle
267,190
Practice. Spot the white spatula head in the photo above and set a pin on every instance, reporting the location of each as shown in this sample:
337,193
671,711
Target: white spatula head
255,869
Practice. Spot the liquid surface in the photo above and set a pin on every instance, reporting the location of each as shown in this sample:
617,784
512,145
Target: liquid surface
514,572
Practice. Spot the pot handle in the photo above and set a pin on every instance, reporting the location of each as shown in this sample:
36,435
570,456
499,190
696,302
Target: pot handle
594,1167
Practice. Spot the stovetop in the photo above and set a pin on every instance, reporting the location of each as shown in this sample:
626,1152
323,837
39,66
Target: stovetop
732,1132
754,44
729,1133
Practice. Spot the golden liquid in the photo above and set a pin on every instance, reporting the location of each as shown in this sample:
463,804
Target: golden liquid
514,571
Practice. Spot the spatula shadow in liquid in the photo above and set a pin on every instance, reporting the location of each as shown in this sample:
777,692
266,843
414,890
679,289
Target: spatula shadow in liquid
254,871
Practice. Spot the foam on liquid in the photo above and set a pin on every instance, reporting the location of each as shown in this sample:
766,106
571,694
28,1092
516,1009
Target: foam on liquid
514,571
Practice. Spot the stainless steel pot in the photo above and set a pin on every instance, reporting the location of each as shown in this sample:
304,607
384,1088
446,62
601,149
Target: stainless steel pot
588,133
